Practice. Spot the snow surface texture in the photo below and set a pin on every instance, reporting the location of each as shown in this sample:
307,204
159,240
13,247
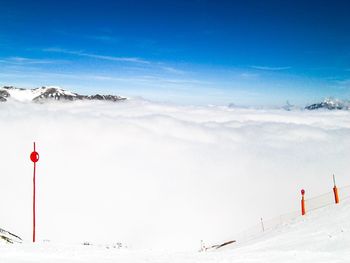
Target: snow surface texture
160,176
320,236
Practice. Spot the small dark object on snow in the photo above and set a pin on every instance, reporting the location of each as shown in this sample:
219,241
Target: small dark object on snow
219,246
226,243
9,237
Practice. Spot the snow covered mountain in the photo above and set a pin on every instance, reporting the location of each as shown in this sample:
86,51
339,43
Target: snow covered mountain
330,104
49,93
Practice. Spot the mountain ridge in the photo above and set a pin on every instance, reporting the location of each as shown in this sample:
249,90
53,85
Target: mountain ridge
330,104
50,93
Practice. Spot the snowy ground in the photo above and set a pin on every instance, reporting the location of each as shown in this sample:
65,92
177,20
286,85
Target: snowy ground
321,236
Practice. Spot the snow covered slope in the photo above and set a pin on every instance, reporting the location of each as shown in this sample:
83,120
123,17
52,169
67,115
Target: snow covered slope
23,95
321,236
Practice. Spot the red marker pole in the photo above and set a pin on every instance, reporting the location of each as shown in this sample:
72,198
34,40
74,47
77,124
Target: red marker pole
303,211
34,157
335,191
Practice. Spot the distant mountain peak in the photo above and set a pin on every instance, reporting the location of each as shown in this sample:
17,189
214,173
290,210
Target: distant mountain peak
48,94
330,104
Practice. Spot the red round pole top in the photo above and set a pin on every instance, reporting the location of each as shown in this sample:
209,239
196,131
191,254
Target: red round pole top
34,157
302,191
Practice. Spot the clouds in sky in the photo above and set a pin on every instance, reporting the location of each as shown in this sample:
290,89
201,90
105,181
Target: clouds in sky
155,174
269,68
101,57
179,82
29,61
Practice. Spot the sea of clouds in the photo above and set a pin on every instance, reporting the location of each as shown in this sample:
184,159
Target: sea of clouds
155,175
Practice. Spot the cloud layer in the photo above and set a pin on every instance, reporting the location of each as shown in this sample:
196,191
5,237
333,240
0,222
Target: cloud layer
159,175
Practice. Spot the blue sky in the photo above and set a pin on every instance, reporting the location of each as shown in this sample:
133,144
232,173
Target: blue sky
195,51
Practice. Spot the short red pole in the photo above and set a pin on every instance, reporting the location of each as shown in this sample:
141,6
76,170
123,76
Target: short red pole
34,157
336,196
335,191
303,211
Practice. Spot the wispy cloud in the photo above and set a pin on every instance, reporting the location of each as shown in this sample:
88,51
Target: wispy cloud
247,75
103,38
24,61
97,56
343,83
173,70
105,79
270,68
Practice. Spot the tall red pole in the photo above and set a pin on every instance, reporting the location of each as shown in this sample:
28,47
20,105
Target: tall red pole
34,157
34,172
303,210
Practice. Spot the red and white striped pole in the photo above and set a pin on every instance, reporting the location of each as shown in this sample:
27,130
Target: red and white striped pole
34,157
